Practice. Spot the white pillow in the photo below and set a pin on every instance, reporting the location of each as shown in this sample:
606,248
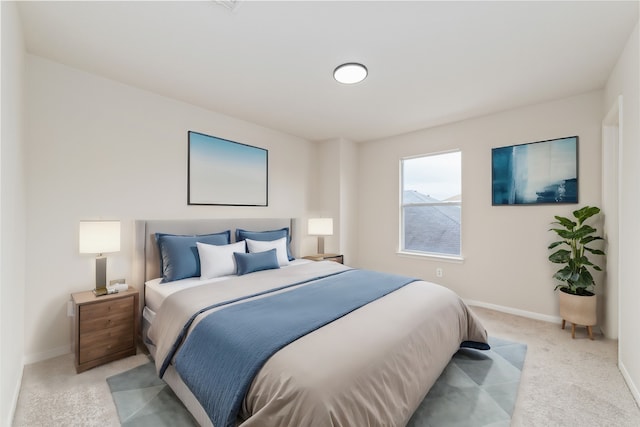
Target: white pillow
280,246
218,260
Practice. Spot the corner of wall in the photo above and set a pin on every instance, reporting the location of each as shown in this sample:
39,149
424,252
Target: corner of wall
12,211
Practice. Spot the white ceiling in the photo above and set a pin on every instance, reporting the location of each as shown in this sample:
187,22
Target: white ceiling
271,63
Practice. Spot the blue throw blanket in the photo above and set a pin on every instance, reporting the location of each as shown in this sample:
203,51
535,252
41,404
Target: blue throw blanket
187,325
224,352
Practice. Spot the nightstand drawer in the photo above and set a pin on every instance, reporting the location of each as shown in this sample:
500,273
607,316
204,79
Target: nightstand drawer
106,309
123,331
99,344
105,322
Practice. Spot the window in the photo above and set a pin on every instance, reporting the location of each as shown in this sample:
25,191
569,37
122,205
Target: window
431,204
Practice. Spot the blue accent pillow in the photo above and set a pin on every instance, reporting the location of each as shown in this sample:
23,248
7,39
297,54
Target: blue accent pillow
179,257
266,236
257,261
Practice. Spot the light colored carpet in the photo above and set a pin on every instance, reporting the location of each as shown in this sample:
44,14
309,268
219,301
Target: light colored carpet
564,382
477,388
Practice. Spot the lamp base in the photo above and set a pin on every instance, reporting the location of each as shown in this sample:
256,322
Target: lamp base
320,244
100,292
101,272
101,276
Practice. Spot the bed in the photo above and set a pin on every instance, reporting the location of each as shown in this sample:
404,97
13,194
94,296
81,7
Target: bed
371,361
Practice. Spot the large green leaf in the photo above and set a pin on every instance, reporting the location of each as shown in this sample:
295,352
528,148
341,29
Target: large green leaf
583,260
584,279
580,233
554,244
589,239
563,274
565,234
594,251
560,256
565,222
585,212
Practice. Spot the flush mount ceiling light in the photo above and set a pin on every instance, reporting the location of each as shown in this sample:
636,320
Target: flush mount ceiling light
350,73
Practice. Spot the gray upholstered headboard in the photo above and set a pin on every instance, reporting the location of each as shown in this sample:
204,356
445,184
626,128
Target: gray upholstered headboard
147,259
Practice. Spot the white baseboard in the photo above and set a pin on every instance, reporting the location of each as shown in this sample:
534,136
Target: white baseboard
627,378
517,312
49,354
14,399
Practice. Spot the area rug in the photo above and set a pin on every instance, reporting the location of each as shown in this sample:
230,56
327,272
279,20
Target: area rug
477,388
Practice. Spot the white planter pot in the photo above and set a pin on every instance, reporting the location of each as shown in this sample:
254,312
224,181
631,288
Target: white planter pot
579,310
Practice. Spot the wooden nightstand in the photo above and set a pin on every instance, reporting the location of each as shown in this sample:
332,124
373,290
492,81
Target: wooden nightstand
326,257
104,328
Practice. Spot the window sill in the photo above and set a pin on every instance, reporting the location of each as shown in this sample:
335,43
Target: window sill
447,258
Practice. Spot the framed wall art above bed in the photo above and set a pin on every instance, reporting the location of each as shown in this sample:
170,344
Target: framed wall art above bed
223,172
535,173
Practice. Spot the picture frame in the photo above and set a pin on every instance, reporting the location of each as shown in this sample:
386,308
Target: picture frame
224,172
542,172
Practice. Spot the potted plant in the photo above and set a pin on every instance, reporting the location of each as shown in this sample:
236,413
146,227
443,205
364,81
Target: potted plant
577,301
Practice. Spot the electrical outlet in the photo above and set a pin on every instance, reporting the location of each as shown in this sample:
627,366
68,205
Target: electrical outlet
70,309
439,272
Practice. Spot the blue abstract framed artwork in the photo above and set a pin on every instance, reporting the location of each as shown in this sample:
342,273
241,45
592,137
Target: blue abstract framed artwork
223,172
536,173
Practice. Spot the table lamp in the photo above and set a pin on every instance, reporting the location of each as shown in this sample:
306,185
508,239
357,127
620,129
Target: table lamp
320,227
100,237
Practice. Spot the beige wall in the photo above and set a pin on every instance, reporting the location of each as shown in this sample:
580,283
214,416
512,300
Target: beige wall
504,248
624,80
335,194
348,200
97,149
325,192
12,214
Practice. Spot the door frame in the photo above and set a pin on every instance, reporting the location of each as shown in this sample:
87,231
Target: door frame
612,152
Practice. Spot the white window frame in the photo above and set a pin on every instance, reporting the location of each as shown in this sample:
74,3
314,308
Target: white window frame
403,252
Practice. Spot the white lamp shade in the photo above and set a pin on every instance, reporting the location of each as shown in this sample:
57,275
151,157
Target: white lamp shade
98,237
320,226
